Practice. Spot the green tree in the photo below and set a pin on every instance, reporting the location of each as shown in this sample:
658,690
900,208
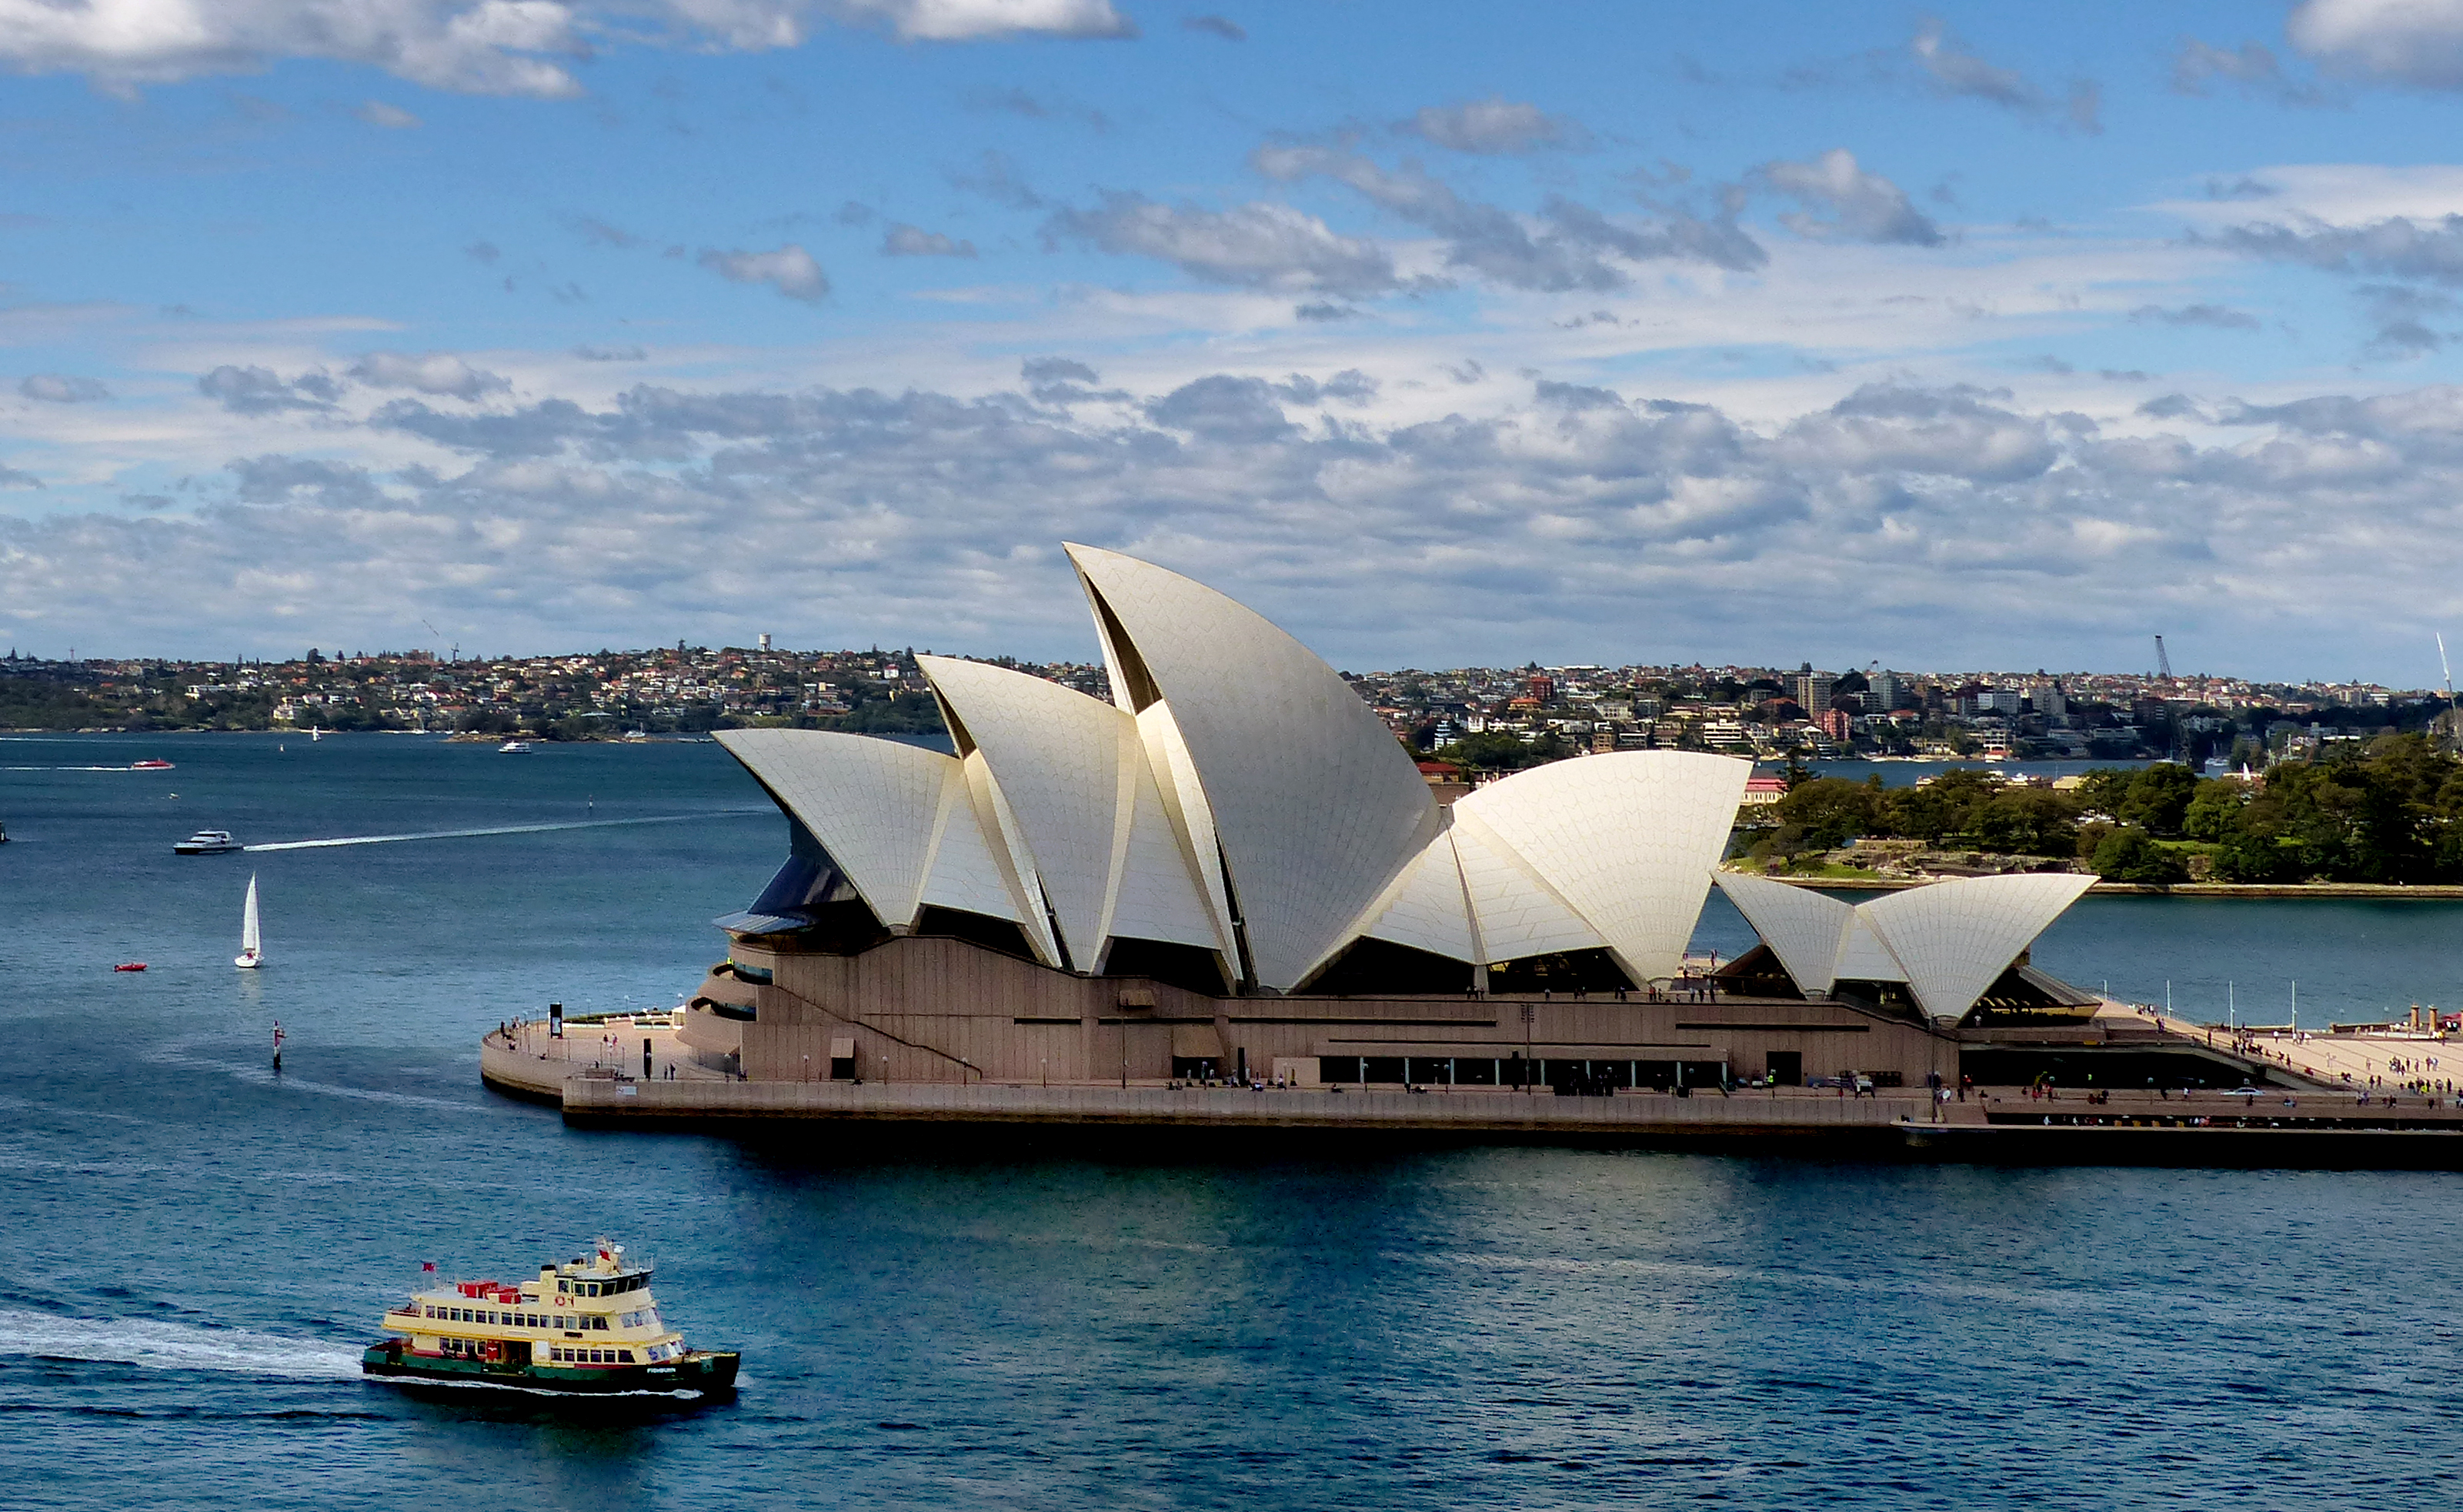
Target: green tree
2158,797
2106,790
2129,854
2214,813
1942,807
2028,821
1828,811
1488,750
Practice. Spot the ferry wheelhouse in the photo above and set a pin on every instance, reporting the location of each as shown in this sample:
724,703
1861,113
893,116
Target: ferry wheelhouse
590,1325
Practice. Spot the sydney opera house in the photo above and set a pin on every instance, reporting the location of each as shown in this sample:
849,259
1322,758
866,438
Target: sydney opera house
1233,870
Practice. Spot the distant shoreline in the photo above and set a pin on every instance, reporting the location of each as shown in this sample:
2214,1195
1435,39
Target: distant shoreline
2424,891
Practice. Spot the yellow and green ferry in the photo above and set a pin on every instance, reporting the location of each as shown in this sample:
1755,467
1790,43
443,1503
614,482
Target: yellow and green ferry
590,1325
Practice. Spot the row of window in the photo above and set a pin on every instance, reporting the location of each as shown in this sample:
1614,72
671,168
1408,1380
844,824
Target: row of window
580,1356
605,1288
525,1320
1563,1075
646,1318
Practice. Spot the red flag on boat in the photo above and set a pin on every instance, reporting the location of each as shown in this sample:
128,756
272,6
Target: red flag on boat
427,1264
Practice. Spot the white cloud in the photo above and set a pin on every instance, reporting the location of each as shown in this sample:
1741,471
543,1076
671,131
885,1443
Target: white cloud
483,47
2251,67
1844,202
1253,246
1949,68
1568,246
969,20
491,47
1491,125
1938,525
2414,42
393,117
790,270
58,388
2398,247
2329,193
439,373
902,240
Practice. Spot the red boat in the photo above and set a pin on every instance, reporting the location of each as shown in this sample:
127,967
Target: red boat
155,764
130,966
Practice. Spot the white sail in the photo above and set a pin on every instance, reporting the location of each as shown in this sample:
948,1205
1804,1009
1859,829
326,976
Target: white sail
251,943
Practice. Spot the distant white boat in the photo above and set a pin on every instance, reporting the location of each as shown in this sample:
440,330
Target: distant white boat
514,748
251,940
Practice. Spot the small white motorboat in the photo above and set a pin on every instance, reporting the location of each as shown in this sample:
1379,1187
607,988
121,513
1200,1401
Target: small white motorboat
514,748
206,842
251,939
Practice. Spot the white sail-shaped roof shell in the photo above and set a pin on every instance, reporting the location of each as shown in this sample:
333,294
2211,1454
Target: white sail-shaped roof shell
1863,958
1949,941
1626,839
1008,846
1802,927
964,872
1184,807
1072,771
883,809
1316,805
1514,912
1956,938
1426,906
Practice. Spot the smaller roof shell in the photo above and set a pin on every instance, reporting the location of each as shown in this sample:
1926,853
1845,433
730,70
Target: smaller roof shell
875,805
1627,838
1956,938
1803,929
1949,941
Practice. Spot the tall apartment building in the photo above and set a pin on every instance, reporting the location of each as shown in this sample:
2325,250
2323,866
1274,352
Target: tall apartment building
1811,689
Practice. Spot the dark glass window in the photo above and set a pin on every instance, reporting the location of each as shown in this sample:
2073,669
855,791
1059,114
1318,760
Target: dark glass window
1382,1068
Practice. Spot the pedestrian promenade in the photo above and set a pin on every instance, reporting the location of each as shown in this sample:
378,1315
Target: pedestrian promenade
2396,1062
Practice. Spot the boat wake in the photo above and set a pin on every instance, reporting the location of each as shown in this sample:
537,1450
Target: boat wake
257,1074
172,1346
504,829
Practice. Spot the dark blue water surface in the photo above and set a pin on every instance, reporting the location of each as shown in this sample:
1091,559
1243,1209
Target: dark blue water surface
192,1251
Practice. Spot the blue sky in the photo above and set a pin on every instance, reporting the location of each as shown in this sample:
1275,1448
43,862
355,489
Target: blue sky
1955,336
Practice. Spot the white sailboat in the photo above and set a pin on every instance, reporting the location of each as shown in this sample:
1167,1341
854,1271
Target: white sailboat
251,942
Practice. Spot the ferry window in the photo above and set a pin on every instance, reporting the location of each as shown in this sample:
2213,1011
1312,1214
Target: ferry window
624,1356
564,1285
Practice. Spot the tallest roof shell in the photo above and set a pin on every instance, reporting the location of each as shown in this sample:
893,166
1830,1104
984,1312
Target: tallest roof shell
1315,805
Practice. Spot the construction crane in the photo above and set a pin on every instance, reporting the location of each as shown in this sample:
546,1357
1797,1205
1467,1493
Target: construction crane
2163,661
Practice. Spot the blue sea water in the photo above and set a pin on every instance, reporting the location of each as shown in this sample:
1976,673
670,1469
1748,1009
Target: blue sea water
192,1250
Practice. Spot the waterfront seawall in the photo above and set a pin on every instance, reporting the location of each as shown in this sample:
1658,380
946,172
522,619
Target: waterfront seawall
1499,1115
590,1076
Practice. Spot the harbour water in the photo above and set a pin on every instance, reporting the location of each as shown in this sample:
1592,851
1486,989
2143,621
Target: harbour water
195,1248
